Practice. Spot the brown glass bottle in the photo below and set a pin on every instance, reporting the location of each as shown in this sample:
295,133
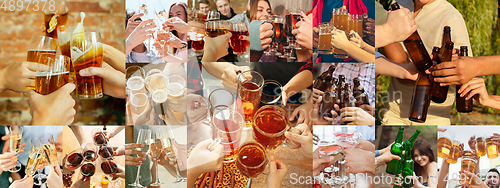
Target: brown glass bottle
349,101
359,93
340,89
435,52
446,38
347,94
329,99
324,80
439,92
421,98
462,104
416,49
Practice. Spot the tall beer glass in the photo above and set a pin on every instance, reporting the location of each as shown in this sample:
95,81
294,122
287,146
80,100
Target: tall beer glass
228,124
86,51
454,152
55,17
250,84
40,44
480,146
64,33
325,39
52,73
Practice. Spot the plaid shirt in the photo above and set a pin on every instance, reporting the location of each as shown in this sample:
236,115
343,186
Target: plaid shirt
364,71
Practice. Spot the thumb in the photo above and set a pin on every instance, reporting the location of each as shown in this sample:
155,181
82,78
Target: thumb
305,16
6,137
32,94
324,159
272,165
395,157
67,89
92,71
58,170
285,98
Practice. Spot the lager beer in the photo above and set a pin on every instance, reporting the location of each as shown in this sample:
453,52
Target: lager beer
492,149
480,146
454,152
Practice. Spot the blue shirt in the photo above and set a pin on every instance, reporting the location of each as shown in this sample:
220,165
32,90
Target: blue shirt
30,132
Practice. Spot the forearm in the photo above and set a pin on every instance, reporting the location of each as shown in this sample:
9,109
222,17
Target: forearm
78,132
494,102
386,67
359,54
443,174
216,69
172,59
368,48
191,178
114,57
3,85
382,37
298,82
487,65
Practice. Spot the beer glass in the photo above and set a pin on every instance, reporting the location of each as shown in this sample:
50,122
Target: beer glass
227,124
143,138
491,148
86,51
251,159
454,152
250,84
341,22
278,29
177,90
269,126
52,73
271,92
197,42
295,17
156,80
40,44
325,39
54,18
480,146
213,16
469,165
358,21
220,99
64,33
135,84
139,102
16,139
135,71
216,28
444,144
239,45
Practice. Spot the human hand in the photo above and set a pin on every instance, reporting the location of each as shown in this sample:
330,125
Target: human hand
175,42
203,160
113,81
54,179
316,93
303,112
475,181
385,158
53,109
266,32
476,88
140,34
400,24
411,72
304,139
132,149
27,181
367,146
7,161
80,184
356,116
472,143
303,32
277,172
120,173
321,162
19,77
176,24
135,117
196,109
216,47
356,39
6,146
132,24
359,161
230,77
456,72
118,151
339,39
320,118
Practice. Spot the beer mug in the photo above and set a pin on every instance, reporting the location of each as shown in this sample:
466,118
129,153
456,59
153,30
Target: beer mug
239,45
86,51
325,38
454,152
271,92
251,159
491,148
480,145
269,126
52,73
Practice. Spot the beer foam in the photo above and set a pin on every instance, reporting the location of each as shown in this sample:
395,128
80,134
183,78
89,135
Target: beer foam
159,96
135,83
175,89
41,74
77,53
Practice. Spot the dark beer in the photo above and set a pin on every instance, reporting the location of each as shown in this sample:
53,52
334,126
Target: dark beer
462,104
47,83
239,46
421,98
439,92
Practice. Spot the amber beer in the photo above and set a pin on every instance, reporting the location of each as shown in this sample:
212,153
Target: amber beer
491,148
34,54
325,39
86,51
421,98
439,92
252,159
454,152
469,165
462,104
444,147
270,125
249,94
47,83
228,124
480,146
54,20
216,28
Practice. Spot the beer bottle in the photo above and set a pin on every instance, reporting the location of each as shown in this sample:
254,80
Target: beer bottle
407,161
347,94
439,92
324,80
421,98
396,149
435,52
416,49
462,104
329,99
446,38
349,100
340,89
359,93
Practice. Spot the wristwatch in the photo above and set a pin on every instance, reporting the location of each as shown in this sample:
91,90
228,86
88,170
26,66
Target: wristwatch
184,45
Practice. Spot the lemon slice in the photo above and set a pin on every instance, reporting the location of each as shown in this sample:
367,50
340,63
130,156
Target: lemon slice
104,179
52,23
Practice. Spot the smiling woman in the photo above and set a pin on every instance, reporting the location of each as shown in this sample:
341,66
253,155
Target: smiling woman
425,163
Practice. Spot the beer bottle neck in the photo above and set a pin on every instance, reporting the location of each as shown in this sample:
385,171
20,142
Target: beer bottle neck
399,137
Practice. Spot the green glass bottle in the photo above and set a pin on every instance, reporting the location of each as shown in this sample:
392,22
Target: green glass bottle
396,149
398,173
407,161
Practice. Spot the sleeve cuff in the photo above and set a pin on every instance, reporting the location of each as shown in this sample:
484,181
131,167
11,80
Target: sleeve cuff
255,35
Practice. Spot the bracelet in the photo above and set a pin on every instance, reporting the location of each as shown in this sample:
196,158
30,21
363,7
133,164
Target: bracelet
184,45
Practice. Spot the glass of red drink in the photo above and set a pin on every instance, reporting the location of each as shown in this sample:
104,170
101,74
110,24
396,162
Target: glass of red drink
239,38
252,159
250,84
227,126
270,125
99,136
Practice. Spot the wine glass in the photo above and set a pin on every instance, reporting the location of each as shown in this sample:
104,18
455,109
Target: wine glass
142,138
74,159
36,161
89,152
16,139
155,149
99,137
106,152
87,170
169,149
110,168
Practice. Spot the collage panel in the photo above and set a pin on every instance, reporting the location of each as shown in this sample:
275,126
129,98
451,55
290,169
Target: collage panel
344,94
158,156
162,36
36,94
458,85
406,156
264,143
157,93
469,156
344,156
343,31
94,156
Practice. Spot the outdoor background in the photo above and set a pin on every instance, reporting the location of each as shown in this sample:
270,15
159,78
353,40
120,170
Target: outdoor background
481,18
